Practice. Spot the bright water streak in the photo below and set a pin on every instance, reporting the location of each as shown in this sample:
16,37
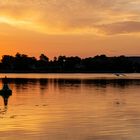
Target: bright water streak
63,107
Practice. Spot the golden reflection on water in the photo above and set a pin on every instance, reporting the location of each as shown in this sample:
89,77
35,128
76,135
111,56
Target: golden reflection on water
73,109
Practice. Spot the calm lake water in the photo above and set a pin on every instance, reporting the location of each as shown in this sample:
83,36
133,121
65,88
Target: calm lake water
71,107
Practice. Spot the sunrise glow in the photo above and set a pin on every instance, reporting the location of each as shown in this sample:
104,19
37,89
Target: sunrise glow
65,27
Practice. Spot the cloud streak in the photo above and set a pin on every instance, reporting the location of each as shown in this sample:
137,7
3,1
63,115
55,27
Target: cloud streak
121,27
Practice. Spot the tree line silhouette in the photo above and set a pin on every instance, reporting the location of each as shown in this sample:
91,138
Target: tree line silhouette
74,64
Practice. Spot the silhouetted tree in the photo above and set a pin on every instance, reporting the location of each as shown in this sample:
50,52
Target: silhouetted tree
99,63
7,62
44,58
23,62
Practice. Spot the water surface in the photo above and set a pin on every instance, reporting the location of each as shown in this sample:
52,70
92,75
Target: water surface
71,107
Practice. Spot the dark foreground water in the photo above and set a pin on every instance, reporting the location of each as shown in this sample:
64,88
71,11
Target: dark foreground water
71,107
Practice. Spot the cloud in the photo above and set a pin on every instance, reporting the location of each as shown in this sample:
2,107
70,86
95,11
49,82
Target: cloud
121,27
74,16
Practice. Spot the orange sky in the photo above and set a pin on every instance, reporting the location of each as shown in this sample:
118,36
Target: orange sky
74,27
